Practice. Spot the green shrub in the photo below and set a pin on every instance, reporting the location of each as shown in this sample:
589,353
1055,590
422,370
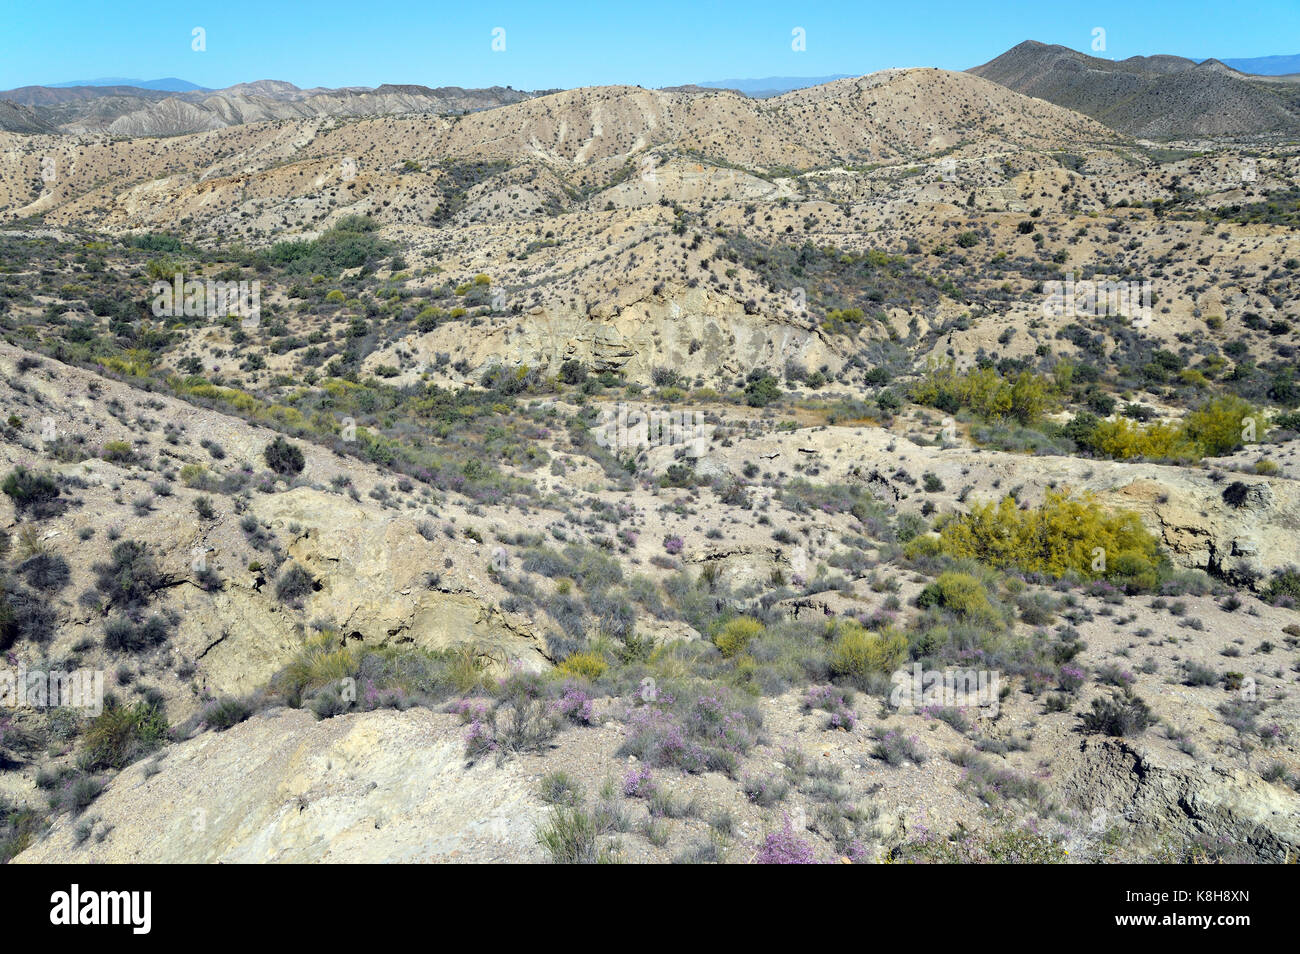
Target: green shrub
225,712
858,654
118,452
1217,426
32,493
1022,397
121,734
1064,535
570,837
1284,584
283,457
762,390
736,635
962,594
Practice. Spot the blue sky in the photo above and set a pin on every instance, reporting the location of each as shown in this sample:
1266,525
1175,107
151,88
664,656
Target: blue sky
657,43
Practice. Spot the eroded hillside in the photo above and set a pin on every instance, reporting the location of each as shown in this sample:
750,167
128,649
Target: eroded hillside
604,465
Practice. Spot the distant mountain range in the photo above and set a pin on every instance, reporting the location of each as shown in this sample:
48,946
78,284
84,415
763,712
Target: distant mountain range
1157,97
139,111
771,85
1266,65
169,84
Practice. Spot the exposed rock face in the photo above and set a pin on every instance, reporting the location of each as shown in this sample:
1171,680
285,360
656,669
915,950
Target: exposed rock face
695,332
380,580
381,786
1228,806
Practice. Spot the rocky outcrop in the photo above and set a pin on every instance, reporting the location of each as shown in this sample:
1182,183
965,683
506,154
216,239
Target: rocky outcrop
380,786
1115,780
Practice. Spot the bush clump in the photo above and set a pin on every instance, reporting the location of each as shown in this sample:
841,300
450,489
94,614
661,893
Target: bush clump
294,584
122,733
857,655
1122,714
130,577
961,593
35,494
1022,397
1066,534
283,457
736,635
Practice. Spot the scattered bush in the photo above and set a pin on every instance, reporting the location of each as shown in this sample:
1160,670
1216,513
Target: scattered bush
34,494
121,734
283,457
857,655
1122,714
736,635
1064,535
294,584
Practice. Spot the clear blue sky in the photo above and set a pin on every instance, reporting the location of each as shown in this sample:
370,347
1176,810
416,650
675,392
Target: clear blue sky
646,42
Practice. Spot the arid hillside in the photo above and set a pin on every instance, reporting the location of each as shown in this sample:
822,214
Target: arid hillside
1156,97
604,476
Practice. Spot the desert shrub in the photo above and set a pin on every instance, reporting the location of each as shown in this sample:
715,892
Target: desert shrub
1195,674
761,390
586,663
1037,609
560,788
857,655
124,634
736,634
573,372
25,616
129,577
1065,534
1216,427
1022,397
352,242
893,748
319,663
1283,586
385,677
835,703
32,493
1121,714
960,593
45,571
784,847
522,718
118,452
1014,846
695,732
1122,439
570,837
992,781
121,734
73,791
19,826
294,584
221,714
283,457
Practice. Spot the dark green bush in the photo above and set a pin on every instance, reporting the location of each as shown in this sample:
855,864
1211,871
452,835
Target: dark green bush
283,457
